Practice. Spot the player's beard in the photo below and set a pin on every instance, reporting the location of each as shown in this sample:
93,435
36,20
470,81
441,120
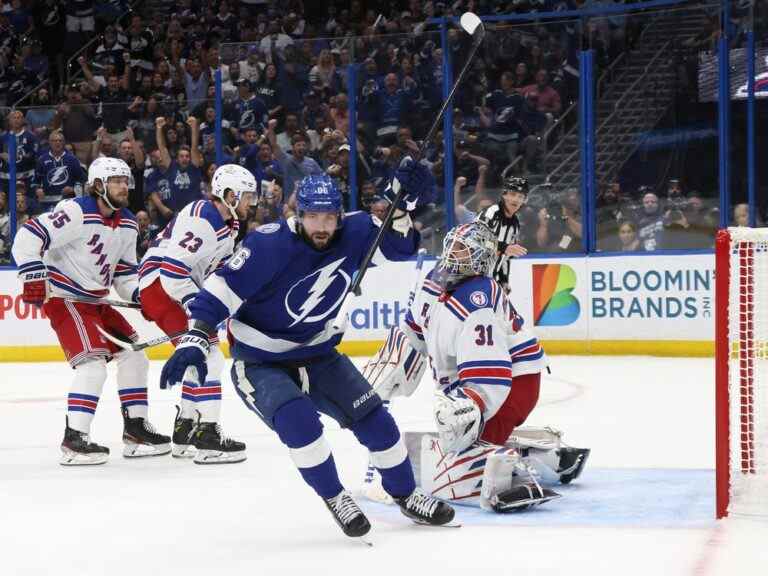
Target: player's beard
117,202
320,240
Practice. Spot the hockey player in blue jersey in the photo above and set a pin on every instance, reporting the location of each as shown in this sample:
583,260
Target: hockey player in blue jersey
282,290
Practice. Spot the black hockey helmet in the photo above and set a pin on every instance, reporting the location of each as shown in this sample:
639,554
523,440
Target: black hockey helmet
515,184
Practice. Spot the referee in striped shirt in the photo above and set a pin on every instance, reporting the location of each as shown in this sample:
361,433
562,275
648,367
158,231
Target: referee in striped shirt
502,219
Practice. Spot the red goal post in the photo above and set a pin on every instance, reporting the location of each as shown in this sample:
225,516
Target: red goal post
741,372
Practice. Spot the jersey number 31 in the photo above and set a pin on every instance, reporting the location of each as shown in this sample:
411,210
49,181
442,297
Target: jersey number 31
484,335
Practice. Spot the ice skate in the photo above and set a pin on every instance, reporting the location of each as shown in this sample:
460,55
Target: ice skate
348,515
424,509
78,450
141,440
215,448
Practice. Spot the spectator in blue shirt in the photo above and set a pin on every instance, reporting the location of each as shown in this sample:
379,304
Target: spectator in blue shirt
58,174
296,165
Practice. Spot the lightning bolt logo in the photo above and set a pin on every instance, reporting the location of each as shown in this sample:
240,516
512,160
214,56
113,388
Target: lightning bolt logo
316,295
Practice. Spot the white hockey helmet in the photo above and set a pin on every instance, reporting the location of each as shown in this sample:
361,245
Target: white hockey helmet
232,177
103,169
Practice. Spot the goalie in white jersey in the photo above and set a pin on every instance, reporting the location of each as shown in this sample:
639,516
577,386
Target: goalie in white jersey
487,368
197,242
78,251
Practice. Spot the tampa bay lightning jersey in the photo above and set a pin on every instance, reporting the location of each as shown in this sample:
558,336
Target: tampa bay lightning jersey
54,174
283,295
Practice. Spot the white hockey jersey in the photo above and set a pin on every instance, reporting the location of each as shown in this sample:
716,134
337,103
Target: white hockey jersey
84,252
193,245
474,339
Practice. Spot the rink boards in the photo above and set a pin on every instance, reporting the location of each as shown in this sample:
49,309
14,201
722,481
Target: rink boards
629,304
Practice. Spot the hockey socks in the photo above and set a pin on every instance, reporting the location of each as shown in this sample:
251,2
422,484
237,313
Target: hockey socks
132,369
84,393
378,432
298,426
203,402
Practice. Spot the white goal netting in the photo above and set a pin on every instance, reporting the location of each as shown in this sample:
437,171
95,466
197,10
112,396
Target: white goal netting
747,381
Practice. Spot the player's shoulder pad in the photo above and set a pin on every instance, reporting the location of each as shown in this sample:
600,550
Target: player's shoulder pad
259,247
205,210
478,293
273,236
87,205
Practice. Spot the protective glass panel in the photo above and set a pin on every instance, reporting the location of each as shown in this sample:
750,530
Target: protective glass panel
517,116
656,162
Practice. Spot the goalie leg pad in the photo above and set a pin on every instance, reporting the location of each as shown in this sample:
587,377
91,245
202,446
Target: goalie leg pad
397,368
544,450
509,485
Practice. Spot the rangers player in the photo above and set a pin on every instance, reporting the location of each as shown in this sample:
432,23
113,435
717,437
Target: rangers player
197,242
75,253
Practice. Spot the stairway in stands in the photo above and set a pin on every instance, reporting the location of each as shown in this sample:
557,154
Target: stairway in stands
631,103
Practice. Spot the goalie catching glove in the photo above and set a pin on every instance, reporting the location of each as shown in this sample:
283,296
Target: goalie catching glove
459,420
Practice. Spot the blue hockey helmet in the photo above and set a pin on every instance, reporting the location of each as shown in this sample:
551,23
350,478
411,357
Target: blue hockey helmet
319,194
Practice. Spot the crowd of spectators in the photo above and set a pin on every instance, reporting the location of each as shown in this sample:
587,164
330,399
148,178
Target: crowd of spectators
145,93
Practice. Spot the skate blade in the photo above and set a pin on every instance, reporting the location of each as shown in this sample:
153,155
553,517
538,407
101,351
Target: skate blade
523,505
69,458
206,457
183,451
451,524
364,540
145,450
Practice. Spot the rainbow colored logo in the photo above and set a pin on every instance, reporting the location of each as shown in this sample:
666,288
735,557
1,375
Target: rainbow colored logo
553,304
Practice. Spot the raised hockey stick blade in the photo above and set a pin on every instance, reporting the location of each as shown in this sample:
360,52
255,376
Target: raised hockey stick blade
473,26
105,302
137,346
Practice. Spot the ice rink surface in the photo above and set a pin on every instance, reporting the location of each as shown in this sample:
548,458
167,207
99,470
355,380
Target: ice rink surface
644,506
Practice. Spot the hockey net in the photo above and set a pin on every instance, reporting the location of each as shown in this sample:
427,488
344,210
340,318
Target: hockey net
741,335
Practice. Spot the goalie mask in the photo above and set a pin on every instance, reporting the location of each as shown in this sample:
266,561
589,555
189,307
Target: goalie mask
468,250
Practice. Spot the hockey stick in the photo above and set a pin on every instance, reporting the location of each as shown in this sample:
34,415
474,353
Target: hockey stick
369,489
474,27
104,302
137,346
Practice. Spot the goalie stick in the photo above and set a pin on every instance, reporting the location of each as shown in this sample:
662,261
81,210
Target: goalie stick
473,26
